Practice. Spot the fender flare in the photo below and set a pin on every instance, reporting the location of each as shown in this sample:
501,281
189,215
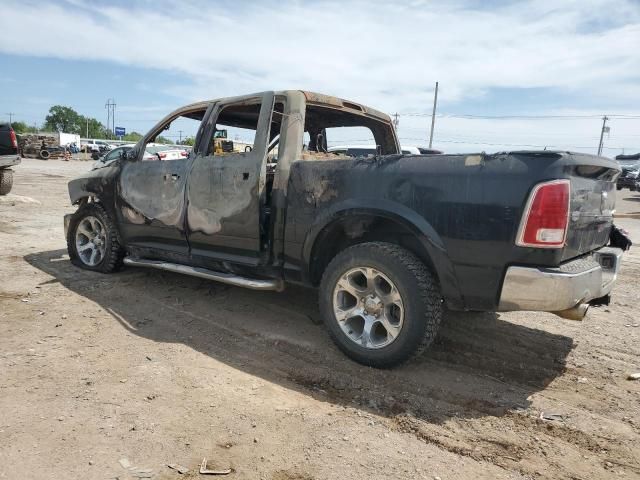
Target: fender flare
429,239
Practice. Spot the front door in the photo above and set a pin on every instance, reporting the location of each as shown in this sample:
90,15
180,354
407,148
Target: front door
226,183
152,191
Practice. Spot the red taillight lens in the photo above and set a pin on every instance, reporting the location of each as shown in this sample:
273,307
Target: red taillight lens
546,217
14,140
162,155
183,153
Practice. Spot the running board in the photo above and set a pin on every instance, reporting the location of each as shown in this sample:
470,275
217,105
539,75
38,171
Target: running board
228,278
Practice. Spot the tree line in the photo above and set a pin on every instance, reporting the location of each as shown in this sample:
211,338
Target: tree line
65,119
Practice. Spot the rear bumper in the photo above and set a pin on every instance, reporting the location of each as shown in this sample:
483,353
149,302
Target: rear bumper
9,160
561,288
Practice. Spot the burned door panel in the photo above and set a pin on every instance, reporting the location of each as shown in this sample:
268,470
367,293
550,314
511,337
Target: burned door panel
151,204
224,191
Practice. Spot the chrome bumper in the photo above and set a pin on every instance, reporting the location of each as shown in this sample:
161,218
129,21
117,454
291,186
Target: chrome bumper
563,287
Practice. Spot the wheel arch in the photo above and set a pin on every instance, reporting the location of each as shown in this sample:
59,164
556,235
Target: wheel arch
347,225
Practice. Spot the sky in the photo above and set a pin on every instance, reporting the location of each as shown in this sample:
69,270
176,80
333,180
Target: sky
512,75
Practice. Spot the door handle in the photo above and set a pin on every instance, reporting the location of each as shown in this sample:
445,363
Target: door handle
172,176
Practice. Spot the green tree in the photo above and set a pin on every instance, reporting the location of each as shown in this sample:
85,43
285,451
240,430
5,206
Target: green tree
190,141
163,140
22,127
92,128
63,119
132,136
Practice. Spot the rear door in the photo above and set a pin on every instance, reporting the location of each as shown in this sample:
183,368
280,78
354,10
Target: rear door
225,190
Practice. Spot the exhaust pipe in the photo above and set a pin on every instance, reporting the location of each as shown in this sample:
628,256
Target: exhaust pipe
576,313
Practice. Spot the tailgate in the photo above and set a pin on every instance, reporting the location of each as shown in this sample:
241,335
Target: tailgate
593,187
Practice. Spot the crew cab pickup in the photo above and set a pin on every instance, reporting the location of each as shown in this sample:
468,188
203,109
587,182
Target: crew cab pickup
388,239
9,157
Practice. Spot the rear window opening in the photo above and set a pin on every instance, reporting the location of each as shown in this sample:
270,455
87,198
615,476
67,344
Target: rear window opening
328,128
235,130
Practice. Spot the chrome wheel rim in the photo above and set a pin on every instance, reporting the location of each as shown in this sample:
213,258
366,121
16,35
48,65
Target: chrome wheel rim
368,307
91,241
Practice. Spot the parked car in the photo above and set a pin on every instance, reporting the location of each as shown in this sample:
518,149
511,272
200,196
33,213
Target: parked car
153,151
630,175
389,241
430,151
97,146
367,150
9,157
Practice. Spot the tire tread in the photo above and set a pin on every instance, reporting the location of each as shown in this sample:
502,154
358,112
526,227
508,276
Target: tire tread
427,286
114,256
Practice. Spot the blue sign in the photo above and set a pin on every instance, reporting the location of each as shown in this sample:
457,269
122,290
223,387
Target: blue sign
120,131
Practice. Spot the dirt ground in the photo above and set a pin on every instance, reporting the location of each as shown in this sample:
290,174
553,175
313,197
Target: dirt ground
117,376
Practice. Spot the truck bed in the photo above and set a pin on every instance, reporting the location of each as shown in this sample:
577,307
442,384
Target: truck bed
469,205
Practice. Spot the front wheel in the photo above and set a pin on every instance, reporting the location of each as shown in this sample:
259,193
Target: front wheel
380,303
92,240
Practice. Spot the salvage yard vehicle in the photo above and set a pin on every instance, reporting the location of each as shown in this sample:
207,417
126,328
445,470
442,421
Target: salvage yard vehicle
630,176
364,150
9,156
389,239
153,151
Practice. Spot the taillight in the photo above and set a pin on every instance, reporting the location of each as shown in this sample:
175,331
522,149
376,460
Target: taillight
162,155
14,140
546,216
183,153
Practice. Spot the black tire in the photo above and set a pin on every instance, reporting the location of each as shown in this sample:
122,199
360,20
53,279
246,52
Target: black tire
44,154
420,295
114,253
619,187
6,181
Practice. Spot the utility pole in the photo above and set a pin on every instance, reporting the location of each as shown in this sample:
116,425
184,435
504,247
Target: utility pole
87,127
111,115
602,132
180,141
396,120
11,114
433,115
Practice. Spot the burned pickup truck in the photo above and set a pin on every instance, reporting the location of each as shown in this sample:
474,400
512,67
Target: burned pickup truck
388,239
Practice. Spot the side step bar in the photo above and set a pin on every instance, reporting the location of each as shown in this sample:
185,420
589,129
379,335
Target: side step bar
228,278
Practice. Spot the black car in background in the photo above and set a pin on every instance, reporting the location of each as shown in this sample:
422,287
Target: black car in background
9,157
630,176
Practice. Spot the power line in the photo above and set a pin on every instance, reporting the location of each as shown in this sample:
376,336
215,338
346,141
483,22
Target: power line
506,117
469,142
433,115
602,132
111,115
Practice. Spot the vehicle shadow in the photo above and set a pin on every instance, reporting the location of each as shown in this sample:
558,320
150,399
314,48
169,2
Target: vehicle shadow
480,365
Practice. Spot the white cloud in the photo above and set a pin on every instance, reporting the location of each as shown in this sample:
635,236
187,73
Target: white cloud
386,54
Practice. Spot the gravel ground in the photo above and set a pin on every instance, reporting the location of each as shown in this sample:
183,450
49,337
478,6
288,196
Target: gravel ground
117,376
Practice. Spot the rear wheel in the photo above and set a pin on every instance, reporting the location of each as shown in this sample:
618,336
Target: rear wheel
92,240
380,303
6,181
